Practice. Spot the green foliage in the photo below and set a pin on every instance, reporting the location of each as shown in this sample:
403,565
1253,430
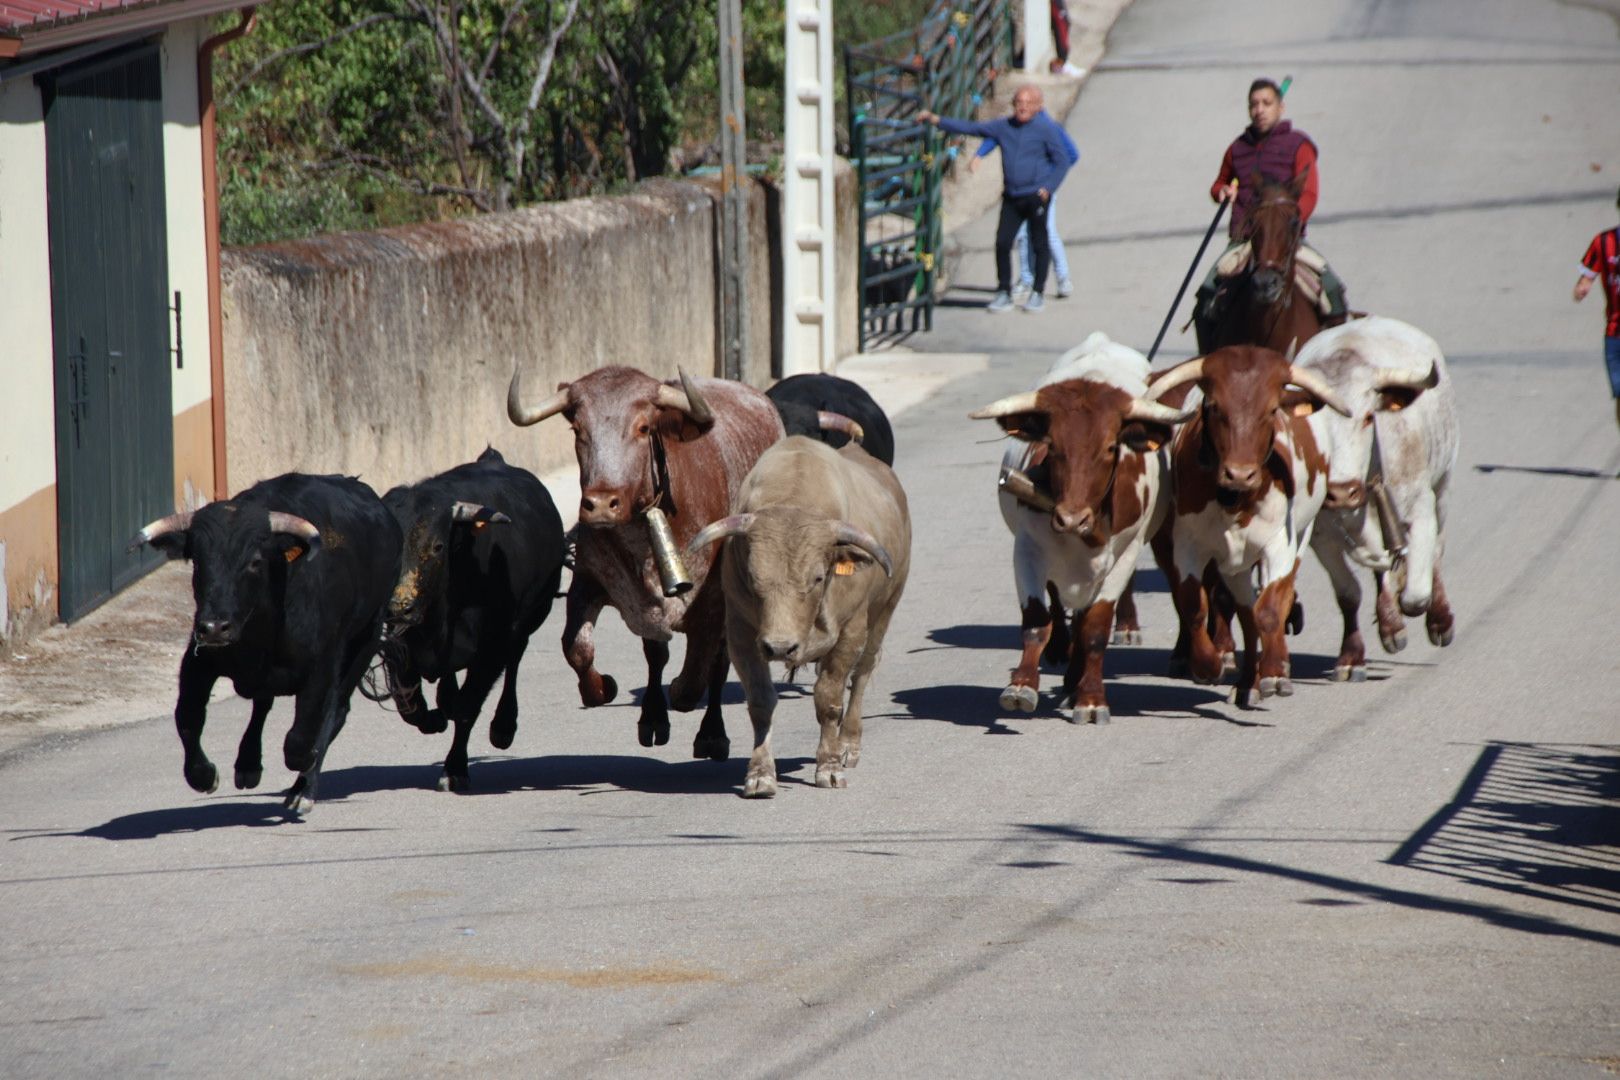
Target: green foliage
351,114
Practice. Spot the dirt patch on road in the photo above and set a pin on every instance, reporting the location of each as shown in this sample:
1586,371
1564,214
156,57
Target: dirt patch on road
116,665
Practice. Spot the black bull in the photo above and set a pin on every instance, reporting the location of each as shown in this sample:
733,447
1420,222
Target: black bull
290,578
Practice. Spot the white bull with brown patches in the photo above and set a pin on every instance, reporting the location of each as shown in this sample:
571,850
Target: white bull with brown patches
817,553
1095,449
1402,435
1250,477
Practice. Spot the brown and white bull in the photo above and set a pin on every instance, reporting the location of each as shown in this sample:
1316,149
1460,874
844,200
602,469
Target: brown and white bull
1402,435
1250,476
680,446
817,552
1095,449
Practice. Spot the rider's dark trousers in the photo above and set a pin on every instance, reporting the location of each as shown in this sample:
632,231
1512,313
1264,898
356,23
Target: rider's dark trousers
1015,212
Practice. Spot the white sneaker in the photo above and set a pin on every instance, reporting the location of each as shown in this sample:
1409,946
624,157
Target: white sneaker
1065,289
1002,303
1021,292
1034,305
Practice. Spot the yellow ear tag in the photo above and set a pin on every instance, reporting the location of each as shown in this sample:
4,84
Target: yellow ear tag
844,567
479,525
292,553
1303,408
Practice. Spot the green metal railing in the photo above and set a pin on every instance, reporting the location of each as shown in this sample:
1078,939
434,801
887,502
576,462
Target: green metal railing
949,65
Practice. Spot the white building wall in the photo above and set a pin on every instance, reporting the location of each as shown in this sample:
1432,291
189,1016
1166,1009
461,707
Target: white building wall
182,170
27,399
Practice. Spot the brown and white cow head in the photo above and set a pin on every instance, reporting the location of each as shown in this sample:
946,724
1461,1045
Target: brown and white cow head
787,558
1088,434
1368,389
1249,396
621,419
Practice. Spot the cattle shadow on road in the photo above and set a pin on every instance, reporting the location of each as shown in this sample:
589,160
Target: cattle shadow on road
980,706
1533,819
201,816
1575,471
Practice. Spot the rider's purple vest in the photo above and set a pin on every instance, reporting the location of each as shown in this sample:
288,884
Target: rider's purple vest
1272,156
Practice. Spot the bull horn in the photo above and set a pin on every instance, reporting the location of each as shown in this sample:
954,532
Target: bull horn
1310,380
524,416
1411,378
471,511
846,533
687,399
1185,372
1153,411
1007,406
1293,349
293,525
831,421
163,526
735,525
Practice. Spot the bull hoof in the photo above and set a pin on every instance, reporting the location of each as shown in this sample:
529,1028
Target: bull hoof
1089,714
300,800
248,778
1132,636
428,721
1350,673
1393,643
203,778
1442,638
1276,686
830,778
759,787
457,784
1019,699
501,732
653,732
712,747
610,690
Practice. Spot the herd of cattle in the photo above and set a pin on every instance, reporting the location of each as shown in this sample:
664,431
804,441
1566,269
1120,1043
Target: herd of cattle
771,528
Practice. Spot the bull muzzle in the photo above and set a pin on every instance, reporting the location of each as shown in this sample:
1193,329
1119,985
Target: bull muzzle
604,509
1346,495
672,573
1241,479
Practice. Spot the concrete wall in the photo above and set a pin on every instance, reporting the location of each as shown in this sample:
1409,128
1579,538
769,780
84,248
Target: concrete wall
388,354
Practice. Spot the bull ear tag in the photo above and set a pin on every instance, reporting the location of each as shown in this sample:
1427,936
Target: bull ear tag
291,554
844,567
1303,408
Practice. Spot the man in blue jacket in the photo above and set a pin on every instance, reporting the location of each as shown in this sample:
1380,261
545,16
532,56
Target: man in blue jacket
1034,161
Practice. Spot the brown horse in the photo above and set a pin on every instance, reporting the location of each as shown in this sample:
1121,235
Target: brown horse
1264,305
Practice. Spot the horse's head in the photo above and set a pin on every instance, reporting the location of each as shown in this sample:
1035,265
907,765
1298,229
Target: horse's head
1273,226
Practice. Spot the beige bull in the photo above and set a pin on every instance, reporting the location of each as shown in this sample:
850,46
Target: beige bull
818,551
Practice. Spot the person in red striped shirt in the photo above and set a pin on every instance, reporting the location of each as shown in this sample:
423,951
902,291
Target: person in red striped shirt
1273,149
1602,263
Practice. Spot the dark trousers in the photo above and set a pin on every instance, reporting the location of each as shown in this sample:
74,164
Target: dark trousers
1015,212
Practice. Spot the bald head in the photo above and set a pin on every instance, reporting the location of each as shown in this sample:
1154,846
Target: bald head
1027,102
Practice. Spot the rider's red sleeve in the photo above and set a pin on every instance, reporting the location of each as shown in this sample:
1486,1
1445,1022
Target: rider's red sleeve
1225,177
1305,157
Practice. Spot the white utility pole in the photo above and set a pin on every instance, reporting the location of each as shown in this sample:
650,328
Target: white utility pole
808,226
1039,48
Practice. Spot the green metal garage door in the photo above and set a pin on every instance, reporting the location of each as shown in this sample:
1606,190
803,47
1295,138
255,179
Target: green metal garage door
110,318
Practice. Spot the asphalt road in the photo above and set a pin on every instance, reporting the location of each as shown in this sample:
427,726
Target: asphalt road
1415,876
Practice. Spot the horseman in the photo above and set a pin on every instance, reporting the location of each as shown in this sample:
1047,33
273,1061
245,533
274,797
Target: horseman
1270,149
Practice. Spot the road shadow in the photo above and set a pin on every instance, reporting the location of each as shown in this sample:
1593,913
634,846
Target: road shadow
980,706
1551,470
1346,890
1533,819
